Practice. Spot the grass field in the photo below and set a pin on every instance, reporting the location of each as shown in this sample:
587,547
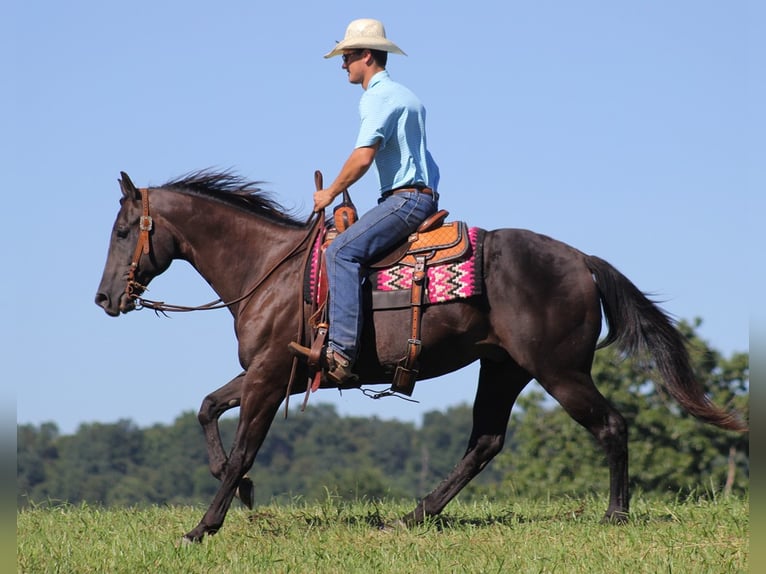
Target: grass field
696,536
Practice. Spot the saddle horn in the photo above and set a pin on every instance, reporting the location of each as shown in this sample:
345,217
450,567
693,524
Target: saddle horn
344,214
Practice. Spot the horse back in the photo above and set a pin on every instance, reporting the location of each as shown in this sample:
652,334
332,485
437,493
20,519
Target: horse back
535,288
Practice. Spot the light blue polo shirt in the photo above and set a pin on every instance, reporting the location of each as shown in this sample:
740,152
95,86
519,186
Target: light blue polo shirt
393,115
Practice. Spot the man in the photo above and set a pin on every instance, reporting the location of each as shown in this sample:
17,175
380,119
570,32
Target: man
392,135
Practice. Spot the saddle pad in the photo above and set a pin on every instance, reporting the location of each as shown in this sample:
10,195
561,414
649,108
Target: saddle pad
458,279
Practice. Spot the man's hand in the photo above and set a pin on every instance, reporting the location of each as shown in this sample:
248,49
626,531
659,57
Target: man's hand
355,167
322,199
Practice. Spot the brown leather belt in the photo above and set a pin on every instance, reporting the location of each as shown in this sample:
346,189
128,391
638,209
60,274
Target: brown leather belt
423,190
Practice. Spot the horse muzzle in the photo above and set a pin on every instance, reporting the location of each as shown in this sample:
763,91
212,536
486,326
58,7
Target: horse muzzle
114,306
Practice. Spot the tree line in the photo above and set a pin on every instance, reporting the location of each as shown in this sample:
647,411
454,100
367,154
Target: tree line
317,453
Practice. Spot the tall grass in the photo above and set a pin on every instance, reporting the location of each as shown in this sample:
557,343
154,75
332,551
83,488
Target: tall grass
697,535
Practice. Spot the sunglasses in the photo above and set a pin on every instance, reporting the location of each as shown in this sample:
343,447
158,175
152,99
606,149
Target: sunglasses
353,56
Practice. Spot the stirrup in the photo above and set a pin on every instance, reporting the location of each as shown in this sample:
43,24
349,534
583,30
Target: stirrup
299,350
339,369
332,364
313,356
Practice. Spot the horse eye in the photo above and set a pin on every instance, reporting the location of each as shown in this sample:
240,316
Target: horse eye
122,232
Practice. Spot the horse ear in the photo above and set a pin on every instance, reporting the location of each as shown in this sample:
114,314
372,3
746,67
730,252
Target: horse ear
128,189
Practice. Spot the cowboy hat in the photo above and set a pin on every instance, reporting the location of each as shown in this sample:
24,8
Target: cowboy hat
365,33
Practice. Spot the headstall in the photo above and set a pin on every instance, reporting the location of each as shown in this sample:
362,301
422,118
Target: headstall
133,288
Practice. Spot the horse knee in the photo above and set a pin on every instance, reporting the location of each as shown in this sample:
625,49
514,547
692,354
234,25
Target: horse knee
487,447
206,411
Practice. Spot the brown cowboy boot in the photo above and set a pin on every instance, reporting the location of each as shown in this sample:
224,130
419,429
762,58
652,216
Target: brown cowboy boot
337,367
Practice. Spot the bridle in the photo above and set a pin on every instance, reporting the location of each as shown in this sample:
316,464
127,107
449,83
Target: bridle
133,288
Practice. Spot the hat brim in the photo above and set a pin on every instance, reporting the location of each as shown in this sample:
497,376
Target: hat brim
365,44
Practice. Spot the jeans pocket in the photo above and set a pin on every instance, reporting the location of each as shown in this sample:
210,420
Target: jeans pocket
419,208
398,203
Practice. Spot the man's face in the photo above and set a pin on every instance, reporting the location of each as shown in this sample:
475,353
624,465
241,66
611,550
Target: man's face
353,63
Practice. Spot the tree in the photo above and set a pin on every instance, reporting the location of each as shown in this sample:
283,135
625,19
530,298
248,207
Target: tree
36,450
94,459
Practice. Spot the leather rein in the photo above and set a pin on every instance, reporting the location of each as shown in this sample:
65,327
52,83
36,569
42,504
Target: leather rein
133,288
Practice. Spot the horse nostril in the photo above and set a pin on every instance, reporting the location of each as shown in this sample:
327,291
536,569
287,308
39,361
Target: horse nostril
102,300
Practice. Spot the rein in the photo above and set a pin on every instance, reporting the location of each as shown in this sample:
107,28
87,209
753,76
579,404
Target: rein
143,247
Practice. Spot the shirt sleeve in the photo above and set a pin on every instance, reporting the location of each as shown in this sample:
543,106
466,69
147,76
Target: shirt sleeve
377,121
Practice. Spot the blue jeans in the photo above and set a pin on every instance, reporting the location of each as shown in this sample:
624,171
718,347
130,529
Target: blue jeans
378,230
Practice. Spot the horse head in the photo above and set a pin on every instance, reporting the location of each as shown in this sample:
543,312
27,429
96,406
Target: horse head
138,251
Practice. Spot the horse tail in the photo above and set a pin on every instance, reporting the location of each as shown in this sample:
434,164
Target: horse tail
638,325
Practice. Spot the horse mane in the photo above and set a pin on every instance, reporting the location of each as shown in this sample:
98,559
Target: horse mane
234,190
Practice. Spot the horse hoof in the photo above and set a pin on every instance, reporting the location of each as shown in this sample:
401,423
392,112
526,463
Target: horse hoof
617,518
396,525
245,491
194,536
186,540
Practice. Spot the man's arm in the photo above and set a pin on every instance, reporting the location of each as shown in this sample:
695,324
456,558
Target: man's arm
355,167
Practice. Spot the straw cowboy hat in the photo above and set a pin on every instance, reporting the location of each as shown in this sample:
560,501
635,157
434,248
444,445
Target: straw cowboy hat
365,33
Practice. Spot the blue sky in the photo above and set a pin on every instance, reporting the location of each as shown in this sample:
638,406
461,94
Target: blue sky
633,131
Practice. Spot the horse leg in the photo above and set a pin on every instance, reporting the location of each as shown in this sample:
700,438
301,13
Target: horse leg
260,402
499,386
213,406
580,398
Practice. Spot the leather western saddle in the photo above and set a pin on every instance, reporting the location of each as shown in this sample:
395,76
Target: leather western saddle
434,242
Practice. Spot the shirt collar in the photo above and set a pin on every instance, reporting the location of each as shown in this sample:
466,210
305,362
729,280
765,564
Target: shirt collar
377,78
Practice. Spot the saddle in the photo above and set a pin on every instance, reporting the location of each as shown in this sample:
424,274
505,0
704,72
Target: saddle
436,241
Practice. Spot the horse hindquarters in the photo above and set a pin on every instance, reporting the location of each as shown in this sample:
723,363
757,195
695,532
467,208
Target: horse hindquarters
544,307
546,313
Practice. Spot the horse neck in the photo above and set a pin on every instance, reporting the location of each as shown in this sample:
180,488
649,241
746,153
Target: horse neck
230,248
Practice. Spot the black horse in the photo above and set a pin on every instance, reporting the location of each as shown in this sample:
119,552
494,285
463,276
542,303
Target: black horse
539,317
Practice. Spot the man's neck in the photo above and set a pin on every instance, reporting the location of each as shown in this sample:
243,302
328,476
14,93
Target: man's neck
369,73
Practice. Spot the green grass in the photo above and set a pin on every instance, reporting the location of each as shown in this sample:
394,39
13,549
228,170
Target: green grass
696,536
